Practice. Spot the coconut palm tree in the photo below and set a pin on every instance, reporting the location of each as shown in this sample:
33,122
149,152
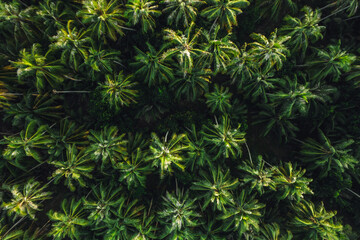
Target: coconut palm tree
224,12
259,85
151,66
7,234
219,99
67,222
216,188
167,152
269,52
76,167
33,65
105,18
143,12
223,140
178,215
182,12
26,200
303,31
73,45
118,90
277,8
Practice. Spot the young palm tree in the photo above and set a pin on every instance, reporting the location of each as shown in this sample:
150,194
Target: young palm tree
105,18
182,12
118,90
103,201
291,183
34,65
269,52
217,189
314,222
219,100
185,48
179,215
30,142
73,45
221,50
257,176
243,215
192,84
151,66
143,12
67,222
302,31
166,153
75,168
106,146
224,12
331,63
328,156
223,139
26,200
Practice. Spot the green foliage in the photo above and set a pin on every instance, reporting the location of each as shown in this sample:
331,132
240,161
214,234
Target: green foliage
143,12
219,100
182,11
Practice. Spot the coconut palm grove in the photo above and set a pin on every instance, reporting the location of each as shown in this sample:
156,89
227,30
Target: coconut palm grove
179,119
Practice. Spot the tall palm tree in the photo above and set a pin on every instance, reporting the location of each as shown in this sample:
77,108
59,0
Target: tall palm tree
74,168
178,214
182,12
151,66
224,12
67,222
143,12
219,99
73,45
224,140
269,52
217,188
303,31
105,18
168,152
26,200
185,47
118,90
33,65
314,222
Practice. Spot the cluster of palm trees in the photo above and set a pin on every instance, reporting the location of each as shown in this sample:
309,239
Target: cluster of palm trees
140,119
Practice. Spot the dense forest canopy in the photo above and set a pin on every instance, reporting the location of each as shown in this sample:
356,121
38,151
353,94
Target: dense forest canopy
180,119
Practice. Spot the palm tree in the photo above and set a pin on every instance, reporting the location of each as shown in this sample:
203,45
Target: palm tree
257,87
331,63
302,31
272,232
328,156
277,8
217,189
269,52
30,142
26,200
314,222
182,12
211,229
243,215
73,45
118,90
75,168
106,146
179,215
185,47
257,176
34,65
221,50
351,6
219,100
7,234
224,12
147,228
103,201
105,18
166,153
192,84
143,12
5,96
42,108
291,183
67,222
151,66
223,139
